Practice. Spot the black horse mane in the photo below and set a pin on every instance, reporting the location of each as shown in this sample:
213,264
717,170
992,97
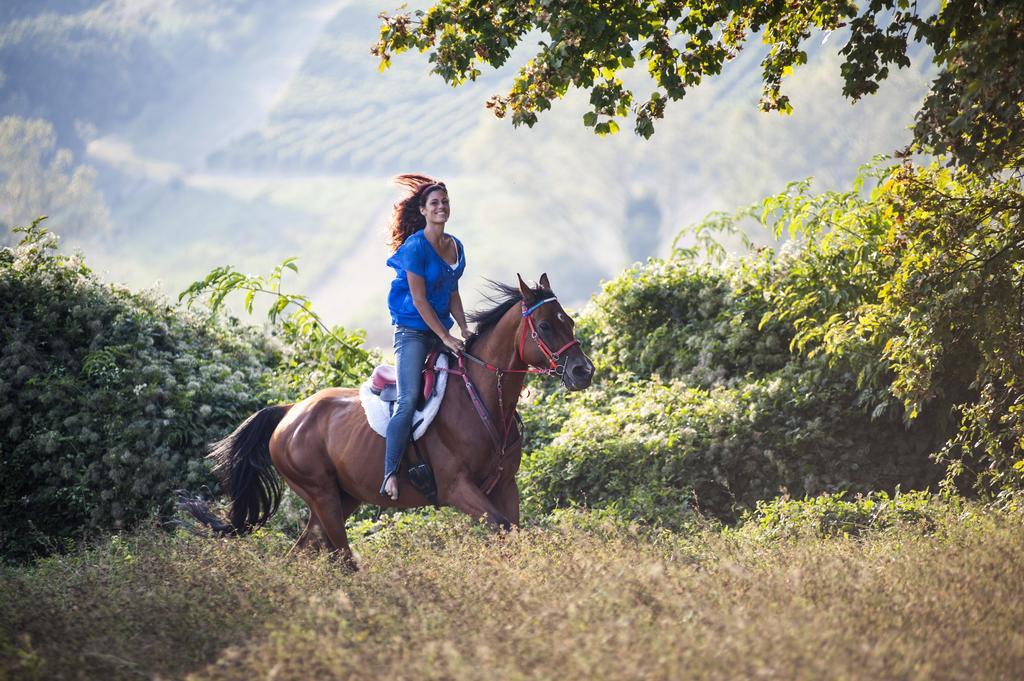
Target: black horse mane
502,297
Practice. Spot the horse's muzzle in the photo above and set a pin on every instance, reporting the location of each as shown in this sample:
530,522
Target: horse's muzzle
579,372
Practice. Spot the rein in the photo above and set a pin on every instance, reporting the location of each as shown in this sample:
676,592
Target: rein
501,441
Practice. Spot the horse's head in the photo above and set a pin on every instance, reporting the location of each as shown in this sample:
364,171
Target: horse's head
548,339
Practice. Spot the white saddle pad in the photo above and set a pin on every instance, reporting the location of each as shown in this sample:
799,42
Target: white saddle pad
379,415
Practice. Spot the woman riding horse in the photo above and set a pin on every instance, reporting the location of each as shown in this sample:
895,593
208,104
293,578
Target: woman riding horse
424,299
329,455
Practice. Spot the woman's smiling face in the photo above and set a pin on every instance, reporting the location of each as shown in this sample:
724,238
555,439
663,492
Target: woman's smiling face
436,209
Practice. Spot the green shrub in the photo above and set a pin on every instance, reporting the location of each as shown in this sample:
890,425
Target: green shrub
701,404
661,451
107,397
314,355
680,320
667,320
836,515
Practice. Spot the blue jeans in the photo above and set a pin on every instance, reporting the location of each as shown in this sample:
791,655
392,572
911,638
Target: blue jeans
411,348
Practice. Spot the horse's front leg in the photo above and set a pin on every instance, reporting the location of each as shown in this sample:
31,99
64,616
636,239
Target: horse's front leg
464,495
505,497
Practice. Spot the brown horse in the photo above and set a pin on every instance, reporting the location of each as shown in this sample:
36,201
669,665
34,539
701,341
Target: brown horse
326,451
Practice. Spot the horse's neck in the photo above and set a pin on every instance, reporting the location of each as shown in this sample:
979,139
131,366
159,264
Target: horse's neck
500,348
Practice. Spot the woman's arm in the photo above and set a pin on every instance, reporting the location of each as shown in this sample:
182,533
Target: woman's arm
455,305
418,290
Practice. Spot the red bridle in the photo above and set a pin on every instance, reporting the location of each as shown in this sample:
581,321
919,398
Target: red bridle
552,356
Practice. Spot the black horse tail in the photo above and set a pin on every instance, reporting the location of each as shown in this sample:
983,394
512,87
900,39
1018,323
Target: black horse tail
242,462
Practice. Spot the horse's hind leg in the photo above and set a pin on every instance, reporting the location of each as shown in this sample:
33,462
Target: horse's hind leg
312,537
329,507
332,506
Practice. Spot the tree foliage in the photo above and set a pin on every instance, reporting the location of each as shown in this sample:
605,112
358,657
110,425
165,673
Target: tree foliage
973,111
37,178
888,330
921,287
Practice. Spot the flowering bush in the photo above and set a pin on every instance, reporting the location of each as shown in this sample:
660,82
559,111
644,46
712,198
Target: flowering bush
107,397
682,320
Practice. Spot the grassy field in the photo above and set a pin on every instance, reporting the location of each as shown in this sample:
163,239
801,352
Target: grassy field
578,597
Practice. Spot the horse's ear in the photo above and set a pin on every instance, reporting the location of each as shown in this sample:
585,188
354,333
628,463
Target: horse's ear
544,281
524,290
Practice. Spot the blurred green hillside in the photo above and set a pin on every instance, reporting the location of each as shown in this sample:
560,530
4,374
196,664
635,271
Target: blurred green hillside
246,133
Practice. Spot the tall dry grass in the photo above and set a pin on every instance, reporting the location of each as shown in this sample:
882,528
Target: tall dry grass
578,598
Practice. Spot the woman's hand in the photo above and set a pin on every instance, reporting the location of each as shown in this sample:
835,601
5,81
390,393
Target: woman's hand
466,333
452,343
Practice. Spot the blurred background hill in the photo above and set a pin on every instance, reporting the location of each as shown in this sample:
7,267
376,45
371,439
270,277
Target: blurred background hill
166,138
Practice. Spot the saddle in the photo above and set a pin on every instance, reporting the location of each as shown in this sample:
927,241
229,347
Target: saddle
384,382
379,399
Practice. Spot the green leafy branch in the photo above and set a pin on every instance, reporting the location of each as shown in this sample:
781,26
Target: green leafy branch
704,233
322,355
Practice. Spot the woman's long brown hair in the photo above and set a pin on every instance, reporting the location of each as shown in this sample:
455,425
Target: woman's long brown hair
407,219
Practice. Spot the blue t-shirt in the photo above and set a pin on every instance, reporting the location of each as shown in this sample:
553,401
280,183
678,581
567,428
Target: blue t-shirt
416,255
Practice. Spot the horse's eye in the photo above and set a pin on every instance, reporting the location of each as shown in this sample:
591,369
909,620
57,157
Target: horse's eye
544,326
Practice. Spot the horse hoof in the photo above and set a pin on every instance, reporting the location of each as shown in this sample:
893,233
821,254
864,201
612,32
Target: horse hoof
345,560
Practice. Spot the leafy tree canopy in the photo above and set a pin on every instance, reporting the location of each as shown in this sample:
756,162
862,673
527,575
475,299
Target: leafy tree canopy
973,112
